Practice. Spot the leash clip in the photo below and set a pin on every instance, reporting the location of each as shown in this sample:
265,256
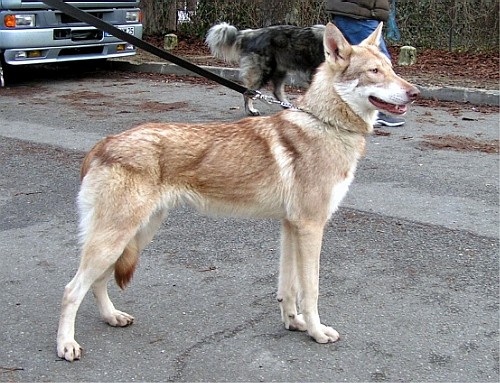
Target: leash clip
253,94
257,95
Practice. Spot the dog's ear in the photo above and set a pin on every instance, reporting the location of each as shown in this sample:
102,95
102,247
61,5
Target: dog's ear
337,49
375,37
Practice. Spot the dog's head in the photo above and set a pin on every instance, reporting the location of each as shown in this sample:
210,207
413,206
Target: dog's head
364,77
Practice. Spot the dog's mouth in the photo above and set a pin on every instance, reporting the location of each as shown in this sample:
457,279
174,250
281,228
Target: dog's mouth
388,107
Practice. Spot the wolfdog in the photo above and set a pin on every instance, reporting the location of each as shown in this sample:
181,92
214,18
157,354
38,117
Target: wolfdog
295,166
268,54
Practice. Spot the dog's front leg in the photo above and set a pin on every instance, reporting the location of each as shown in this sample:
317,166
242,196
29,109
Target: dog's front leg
288,287
306,238
249,108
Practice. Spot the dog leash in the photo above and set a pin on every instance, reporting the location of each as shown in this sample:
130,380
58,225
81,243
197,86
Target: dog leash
131,39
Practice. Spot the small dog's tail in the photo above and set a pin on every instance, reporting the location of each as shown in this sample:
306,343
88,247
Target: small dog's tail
126,264
222,39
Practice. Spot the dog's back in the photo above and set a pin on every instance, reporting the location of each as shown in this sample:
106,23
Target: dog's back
288,47
291,47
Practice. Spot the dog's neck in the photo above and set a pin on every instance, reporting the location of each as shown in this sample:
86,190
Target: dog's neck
327,105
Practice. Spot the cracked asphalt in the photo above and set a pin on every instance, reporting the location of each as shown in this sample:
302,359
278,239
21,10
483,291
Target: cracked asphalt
409,269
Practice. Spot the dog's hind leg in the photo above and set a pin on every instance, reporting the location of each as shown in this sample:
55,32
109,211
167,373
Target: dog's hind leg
278,82
306,239
105,240
108,312
123,269
97,263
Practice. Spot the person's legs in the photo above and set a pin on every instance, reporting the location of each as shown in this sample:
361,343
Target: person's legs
356,30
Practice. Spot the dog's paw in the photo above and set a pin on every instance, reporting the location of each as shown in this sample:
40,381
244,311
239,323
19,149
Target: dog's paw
69,350
295,323
324,334
119,319
253,112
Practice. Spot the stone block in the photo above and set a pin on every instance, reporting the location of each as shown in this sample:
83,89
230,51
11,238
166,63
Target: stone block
407,55
170,41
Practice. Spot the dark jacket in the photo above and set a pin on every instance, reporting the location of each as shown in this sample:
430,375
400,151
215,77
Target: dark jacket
359,9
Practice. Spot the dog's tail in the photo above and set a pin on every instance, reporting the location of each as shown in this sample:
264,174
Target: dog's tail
222,39
126,264
88,159
98,151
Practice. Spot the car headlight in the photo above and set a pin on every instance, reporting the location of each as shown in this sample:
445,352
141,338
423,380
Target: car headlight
22,20
133,16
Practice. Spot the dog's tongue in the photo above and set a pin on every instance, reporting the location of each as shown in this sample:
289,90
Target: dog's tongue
387,107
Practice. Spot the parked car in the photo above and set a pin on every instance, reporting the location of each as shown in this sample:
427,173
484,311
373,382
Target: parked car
33,33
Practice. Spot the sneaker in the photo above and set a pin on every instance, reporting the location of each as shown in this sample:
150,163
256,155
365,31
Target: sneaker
386,120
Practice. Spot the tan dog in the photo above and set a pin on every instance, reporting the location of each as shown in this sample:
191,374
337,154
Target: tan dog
295,166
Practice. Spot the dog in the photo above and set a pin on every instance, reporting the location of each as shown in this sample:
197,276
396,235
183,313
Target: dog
295,166
268,54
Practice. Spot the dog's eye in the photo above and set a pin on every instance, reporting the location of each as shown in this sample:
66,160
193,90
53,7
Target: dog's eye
374,70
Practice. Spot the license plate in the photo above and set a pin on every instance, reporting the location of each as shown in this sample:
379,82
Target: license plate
129,30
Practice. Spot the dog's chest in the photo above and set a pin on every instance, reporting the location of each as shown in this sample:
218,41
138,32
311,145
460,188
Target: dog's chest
339,191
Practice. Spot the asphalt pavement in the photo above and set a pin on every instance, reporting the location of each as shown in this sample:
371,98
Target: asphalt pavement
409,269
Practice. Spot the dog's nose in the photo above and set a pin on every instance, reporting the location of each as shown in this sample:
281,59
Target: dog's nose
413,93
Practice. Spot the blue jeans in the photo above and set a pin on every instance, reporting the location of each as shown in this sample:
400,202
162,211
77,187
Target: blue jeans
355,30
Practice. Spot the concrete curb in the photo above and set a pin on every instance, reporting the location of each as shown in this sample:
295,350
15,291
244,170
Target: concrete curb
472,95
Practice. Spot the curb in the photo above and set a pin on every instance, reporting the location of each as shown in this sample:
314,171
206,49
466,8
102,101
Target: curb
448,93
472,95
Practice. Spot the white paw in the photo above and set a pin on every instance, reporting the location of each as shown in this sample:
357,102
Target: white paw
70,350
251,111
295,323
119,319
324,334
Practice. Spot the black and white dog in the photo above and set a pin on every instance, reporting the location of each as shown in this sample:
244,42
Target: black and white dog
268,54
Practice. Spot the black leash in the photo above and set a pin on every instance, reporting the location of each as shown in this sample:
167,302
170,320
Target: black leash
102,25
